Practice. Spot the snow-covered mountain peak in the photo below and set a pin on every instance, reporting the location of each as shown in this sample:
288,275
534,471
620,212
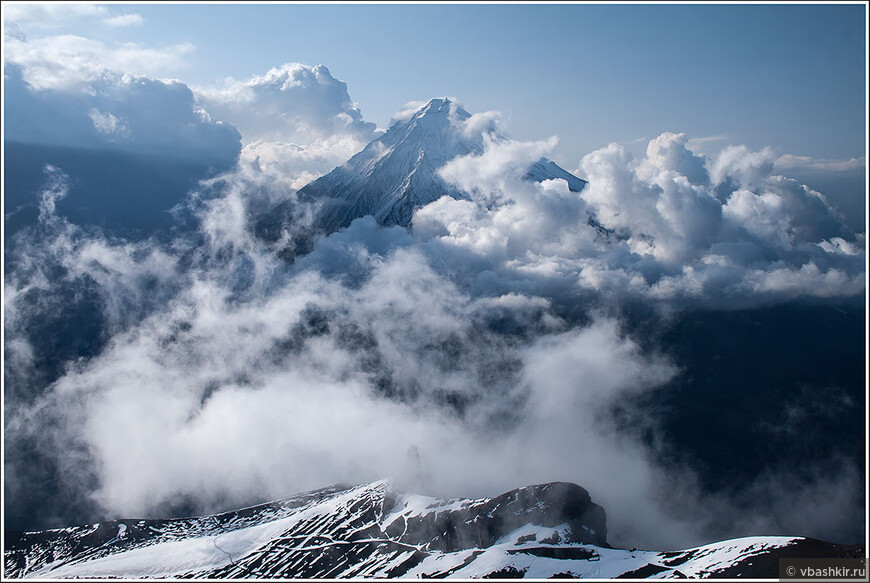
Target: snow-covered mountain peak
397,173
436,131
440,110
437,108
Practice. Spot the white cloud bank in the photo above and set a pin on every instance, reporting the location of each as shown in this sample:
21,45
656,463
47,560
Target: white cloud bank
73,63
71,91
674,225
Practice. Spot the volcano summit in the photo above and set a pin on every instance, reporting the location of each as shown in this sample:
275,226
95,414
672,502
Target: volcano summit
397,173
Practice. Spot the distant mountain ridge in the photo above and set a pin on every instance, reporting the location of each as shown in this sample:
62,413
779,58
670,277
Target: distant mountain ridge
373,531
397,173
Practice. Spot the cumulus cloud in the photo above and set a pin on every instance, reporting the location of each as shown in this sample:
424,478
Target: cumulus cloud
842,181
670,153
739,166
293,103
484,123
761,215
671,226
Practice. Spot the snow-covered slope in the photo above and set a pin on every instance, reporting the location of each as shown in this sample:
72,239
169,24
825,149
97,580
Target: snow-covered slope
372,531
397,173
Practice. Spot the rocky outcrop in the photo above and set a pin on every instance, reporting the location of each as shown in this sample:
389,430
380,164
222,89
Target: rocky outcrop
479,524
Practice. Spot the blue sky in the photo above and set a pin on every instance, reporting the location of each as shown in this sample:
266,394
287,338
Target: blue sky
787,76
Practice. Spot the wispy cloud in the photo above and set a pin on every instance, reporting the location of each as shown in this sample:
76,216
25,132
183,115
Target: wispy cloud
697,142
47,15
405,112
791,162
122,20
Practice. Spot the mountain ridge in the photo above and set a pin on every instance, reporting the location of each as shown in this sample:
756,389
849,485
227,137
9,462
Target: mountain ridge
372,530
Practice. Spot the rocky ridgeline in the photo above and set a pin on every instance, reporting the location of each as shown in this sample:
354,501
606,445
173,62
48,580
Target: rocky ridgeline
549,530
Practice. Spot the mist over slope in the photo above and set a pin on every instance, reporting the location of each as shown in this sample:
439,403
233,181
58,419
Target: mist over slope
519,331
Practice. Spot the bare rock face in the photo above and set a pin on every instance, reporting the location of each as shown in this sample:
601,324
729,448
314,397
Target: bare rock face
481,523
